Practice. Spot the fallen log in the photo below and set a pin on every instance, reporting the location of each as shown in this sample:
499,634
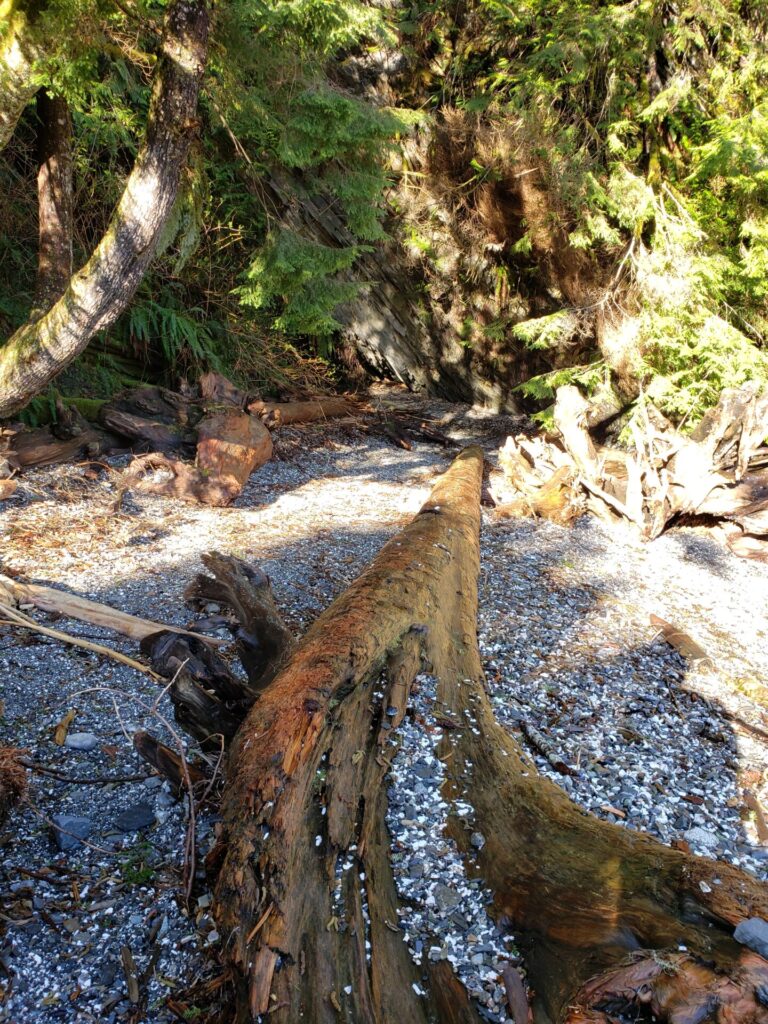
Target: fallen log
69,438
276,414
306,789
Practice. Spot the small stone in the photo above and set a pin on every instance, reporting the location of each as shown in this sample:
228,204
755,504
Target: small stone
700,837
446,898
81,741
107,974
477,839
135,818
754,934
80,828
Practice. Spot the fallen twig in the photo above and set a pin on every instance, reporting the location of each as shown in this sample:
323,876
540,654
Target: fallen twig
100,780
16,618
48,599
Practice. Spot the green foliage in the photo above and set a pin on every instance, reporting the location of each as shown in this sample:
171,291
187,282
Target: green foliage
231,286
543,387
275,94
180,331
545,332
305,273
648,123
136,867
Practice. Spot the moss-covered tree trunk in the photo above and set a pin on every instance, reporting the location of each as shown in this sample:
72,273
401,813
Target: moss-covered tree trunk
22,43
100,291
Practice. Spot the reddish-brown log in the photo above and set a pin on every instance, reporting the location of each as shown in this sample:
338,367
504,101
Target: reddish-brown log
311,758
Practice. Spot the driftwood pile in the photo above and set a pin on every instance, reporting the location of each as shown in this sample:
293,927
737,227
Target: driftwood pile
200,446
718,473
221,428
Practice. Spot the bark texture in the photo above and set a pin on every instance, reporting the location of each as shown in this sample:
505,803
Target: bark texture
101,290
54,200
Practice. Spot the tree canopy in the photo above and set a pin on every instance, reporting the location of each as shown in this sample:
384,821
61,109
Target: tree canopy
609,157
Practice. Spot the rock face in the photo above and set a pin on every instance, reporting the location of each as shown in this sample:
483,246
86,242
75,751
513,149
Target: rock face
386,323
754,934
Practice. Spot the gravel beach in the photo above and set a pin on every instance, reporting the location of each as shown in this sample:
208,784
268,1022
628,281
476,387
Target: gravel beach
649,741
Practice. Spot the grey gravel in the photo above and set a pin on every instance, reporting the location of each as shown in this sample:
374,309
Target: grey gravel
657,745
753,933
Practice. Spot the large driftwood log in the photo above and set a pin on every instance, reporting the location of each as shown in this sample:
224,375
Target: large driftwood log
585,899
276,414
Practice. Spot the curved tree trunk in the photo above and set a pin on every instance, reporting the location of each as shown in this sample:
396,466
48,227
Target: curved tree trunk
599,912
21,45
54,200
99,292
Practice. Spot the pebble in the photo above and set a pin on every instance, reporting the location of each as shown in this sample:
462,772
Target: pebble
81,741
754,934
64,824
134,818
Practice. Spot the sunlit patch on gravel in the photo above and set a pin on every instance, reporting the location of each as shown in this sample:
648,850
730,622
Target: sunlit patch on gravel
568,650
444,916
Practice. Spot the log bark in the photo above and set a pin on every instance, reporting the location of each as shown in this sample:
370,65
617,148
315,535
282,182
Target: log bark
582,896
276,414
230,445
101,290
